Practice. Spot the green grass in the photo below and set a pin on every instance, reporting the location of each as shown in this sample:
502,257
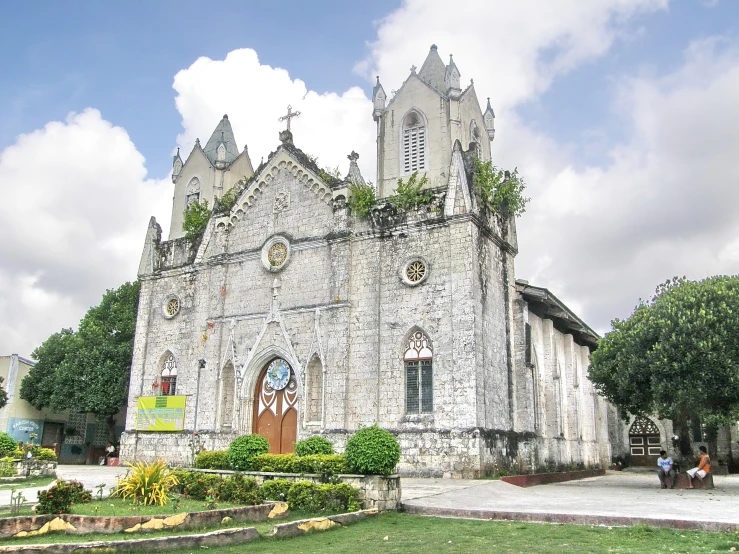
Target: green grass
26,483
418,534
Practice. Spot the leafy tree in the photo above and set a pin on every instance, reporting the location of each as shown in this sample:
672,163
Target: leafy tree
3,394
411,193
677,356
196,217
88,371
501,191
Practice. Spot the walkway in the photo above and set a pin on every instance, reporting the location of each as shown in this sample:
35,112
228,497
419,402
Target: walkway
619,498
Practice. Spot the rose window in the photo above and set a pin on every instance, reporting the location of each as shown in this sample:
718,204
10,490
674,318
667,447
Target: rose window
173,306
277,254
415,271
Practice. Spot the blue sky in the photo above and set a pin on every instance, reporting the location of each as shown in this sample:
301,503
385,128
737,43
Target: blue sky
621,115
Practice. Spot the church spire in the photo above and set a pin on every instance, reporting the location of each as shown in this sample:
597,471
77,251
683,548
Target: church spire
489,119
221,149
433,70
451,79
378,100
354,175
176,165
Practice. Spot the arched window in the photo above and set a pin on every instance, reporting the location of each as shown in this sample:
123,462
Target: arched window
227,395
314,392
221,153
419,376
169,376
414,142
193,191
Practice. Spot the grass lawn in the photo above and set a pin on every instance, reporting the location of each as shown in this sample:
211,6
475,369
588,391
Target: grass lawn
414,534
26,483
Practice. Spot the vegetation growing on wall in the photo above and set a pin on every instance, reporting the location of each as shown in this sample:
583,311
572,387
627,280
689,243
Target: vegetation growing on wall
361,199
501,191
411,194
196,219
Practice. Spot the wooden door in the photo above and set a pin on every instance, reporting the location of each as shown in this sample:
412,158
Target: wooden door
644,442
276,411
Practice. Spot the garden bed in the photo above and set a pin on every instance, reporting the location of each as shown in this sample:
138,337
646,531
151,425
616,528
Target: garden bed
381,492
548,478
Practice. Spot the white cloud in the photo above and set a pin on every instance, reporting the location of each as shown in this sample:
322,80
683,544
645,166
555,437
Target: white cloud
254,96
73,219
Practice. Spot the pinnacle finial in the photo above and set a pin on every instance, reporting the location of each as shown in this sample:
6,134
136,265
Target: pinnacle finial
353,157
225,116
433,47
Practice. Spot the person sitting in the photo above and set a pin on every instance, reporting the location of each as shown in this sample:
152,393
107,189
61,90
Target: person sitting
704,467
666,469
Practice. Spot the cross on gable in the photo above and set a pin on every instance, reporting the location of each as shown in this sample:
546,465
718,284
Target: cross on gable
353,157
289,116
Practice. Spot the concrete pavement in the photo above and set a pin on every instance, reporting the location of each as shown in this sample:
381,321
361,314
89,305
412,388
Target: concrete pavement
619,498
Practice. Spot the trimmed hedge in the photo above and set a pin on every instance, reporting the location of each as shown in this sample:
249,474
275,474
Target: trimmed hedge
314,445
313,497
321,463
242,451
276,489
236,488
46,455
372,451
279,463
215,459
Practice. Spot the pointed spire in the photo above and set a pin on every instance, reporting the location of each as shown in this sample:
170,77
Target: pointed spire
378,100
489,119
433,70
354,175
451,78
176,165
222,135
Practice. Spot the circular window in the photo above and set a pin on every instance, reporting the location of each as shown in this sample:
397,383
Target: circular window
414,271
275,253
171,306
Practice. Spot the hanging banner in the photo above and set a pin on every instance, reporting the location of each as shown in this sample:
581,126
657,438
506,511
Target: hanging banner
160,413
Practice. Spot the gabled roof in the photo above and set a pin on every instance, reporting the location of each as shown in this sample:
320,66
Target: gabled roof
544,304
223,134
433,70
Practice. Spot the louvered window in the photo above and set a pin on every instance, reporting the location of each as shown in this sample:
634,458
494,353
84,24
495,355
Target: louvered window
414,143
419,375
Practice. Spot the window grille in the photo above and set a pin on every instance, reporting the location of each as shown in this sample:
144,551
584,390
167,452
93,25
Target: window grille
169,377
414,143
419,376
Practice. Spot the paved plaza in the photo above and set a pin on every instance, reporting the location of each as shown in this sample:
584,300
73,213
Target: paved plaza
618,498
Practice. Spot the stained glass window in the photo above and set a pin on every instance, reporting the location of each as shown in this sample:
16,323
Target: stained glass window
419,376
169,377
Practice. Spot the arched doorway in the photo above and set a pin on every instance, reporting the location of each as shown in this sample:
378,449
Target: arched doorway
644,442
276,406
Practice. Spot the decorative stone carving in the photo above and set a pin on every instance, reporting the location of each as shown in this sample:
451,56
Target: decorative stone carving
275,253
171,306
282,201
414,271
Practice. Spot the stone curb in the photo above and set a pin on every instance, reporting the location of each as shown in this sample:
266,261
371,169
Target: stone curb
577,519
548,478
225,537
295,528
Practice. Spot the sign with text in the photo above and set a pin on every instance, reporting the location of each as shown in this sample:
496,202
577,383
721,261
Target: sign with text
160,413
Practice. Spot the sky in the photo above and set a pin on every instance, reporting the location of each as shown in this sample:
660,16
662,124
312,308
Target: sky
621,115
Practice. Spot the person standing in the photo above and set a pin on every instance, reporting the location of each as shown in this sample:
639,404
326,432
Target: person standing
703,469
666,469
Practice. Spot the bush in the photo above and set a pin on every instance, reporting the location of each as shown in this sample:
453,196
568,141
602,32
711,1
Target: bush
321,463
372,451
46,455
59,498
199,486
7,444
314,445
241,452
313,497
280,463
7,467
18,454
195,219
240,490
276,489
147,483
212,460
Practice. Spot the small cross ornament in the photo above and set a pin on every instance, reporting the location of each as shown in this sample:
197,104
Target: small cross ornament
289,116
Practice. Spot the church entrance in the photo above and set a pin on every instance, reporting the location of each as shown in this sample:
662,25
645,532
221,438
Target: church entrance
276,406
644,442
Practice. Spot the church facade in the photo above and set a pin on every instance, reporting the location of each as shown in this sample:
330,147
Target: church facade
290,316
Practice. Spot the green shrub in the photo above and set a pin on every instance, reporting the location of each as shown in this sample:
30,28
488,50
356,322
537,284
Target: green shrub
411,193
361,199
147,483
280,463
7,444
7,467
242,451
59,498
46,455
372,451
314,497
321,463
240,490
276,489
314,445
215,459
195,219
201,485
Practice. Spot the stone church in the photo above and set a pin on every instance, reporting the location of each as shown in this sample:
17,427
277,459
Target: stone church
290,316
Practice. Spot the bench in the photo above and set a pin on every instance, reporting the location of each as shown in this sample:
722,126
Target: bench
682,481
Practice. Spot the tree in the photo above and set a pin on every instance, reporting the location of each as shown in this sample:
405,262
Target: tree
677,356
3,395
88,371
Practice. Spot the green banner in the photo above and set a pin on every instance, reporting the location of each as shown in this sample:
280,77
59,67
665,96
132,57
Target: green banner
161,413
